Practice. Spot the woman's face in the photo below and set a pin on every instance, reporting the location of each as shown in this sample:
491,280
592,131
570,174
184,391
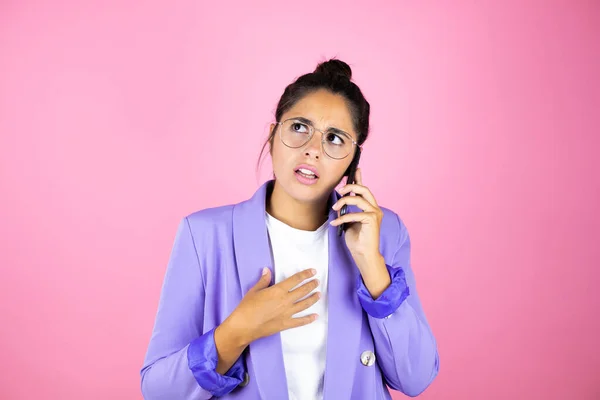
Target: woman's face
325,110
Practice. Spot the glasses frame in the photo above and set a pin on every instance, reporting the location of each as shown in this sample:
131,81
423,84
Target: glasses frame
313,129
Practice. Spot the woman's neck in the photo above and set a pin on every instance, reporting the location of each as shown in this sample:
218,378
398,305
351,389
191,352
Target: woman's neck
299,215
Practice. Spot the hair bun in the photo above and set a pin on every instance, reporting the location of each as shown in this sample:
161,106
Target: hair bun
334,68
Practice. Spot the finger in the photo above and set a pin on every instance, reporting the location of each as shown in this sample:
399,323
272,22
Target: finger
300,321
359,190
358,201
294,280
362,217
305,289
304,304
264,281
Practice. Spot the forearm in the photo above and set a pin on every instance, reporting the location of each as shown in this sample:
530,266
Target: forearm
230,346
374,273
405,346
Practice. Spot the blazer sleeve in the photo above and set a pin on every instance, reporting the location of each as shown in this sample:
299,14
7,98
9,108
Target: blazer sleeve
405,347
181,359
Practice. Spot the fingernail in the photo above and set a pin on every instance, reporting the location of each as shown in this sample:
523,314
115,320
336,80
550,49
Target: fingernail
265,271
313,271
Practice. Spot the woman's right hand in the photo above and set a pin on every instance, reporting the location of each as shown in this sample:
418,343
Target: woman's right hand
266,310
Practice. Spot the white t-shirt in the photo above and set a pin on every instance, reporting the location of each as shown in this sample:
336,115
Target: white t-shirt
304,348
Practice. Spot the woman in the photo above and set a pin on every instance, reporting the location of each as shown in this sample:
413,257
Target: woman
264,300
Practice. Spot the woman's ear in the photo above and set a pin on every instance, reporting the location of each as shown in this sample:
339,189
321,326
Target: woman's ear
272,128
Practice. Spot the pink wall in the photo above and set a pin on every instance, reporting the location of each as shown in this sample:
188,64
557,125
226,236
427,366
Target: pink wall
118,119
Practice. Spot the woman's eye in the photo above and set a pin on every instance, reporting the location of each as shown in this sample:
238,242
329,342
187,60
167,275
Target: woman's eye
299,127
335,139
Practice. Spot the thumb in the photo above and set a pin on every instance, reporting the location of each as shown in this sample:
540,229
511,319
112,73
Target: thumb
264,280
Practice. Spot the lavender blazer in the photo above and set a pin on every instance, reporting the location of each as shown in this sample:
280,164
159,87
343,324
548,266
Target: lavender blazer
218,256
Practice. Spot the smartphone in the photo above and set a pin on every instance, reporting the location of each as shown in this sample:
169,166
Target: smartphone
351,174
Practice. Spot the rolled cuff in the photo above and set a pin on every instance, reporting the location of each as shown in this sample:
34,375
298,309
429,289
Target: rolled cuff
391,298
202,361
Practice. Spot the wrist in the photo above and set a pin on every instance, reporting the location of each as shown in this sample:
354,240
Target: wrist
234,334
368,262
375,275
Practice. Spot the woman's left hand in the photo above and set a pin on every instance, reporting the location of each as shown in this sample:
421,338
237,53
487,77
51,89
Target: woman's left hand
362,235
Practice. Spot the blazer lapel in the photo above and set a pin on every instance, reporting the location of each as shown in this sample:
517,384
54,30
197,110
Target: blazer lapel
345,316
252,253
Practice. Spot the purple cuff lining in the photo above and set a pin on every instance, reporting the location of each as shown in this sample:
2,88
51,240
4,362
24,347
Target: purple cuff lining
202,361
391,298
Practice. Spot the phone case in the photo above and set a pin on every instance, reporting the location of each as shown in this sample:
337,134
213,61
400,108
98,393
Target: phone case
351,179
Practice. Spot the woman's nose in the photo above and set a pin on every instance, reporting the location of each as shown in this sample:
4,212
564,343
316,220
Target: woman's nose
313,147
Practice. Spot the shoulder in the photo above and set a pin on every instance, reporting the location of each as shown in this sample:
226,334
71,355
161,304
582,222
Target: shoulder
391,222
394,232
214,225
212,215
209,220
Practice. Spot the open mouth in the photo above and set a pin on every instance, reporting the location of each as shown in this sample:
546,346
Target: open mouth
306,173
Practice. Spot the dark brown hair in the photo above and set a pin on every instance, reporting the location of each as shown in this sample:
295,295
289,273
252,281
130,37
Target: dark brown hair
335,76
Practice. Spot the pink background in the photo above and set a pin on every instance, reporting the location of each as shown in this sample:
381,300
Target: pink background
119,118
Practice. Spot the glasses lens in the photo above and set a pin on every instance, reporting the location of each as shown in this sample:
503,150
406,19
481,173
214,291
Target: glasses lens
296,134
337,145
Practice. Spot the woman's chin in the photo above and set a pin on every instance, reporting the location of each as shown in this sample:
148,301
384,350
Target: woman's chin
309,194
297,189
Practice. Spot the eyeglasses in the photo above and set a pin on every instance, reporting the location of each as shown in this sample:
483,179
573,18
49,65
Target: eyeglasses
296,132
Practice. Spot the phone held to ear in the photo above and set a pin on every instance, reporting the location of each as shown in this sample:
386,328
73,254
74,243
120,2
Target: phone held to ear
351,179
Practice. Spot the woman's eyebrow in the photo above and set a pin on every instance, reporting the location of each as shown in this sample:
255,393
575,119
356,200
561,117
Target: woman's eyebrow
329,129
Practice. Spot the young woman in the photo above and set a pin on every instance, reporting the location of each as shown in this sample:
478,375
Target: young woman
268,299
